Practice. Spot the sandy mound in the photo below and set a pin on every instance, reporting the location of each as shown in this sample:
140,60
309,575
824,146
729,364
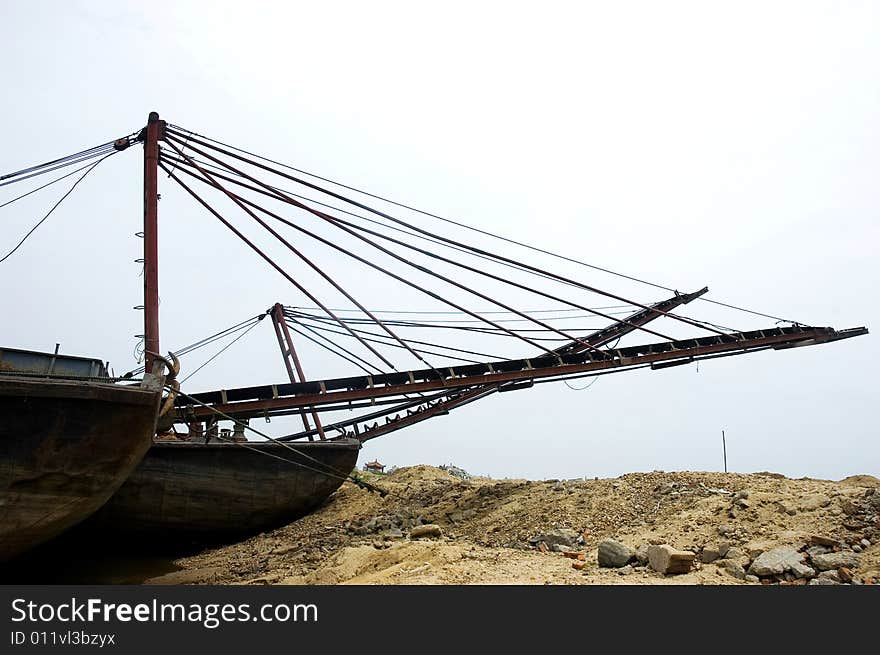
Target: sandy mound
491,531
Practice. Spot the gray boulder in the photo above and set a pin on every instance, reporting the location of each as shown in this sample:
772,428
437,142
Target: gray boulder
834,561
614,554
734,569
557,537
776,561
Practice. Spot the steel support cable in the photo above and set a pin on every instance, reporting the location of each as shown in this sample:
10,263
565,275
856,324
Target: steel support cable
409,233
427,312
516,267
420,230
464,328
487,233
462,320
204,342
58,160
54,207
395,228
371,264
305,259
499,279
255,248
40,188
331,348
330,330
220,352
398,257
375,334
72,162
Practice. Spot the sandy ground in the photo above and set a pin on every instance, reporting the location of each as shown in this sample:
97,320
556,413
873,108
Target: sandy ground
487,525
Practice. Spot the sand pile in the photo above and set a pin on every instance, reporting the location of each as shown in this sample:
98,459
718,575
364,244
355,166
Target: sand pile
537,532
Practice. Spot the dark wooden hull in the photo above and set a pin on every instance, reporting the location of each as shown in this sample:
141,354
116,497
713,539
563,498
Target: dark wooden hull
65,448
210,492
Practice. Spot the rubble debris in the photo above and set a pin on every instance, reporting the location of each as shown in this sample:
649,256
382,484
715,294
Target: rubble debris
666,559
430,531
613,554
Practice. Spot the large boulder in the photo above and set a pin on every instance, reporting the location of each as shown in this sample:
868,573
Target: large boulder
834,561
776,561
615,554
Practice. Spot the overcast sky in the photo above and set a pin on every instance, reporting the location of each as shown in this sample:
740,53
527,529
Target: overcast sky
690,144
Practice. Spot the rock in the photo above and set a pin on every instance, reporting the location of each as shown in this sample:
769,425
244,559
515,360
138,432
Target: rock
378,544
845,574
615,554
835,561
557,536
642,554
577,565
776,561
666,559
820,540
394,533
572,554
709,554
726,529
625,570
812,551
834,576
431,530
786,507
865,543
559,486
735,569
849,507
822,581
857,548
742,503
741,495
802,571
738,555
814,502
752,578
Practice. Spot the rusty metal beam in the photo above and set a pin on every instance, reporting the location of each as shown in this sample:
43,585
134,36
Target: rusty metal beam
154,132
289,353
264,399
631,323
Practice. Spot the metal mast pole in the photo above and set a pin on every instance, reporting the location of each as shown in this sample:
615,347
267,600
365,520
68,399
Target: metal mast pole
154,131
289,353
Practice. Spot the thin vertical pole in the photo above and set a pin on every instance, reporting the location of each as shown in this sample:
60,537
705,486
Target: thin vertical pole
289,353
724,446
154,132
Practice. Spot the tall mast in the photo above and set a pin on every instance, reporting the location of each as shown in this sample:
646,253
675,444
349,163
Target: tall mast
155,131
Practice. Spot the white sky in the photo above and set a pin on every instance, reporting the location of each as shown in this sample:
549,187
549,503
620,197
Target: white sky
686,143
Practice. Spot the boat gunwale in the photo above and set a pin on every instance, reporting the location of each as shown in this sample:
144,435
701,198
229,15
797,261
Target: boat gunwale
61,388
342,444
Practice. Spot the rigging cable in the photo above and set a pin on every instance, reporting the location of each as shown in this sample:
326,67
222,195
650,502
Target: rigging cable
221,351
486,232
54,207
176,137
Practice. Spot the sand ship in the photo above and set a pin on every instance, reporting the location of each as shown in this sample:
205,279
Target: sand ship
462,337
69,437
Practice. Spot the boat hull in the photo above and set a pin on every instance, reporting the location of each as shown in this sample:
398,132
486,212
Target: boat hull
210,492
65,448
